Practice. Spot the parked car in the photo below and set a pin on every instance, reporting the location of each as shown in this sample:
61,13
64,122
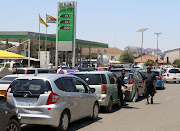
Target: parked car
33,71
5,82
117,71
172,75
159,78
54,100
9,117
71,71
105,85
98,69
133,80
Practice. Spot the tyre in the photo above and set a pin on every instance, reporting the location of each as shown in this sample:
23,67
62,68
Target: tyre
109,107
64,122
95,111
13,125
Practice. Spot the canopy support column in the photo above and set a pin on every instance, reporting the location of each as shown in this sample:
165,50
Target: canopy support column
7,45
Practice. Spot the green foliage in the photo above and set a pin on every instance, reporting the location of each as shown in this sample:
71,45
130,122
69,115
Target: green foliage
9,44
140,55
177,63
150,63
94,56
126,57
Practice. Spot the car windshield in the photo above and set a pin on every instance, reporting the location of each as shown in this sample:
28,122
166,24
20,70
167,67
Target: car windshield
93,79
174,71
8,78
34,86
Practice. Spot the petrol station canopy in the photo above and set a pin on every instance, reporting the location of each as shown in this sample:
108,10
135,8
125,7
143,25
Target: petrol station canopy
20,36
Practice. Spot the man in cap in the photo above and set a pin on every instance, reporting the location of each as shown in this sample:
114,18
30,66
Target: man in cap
150,84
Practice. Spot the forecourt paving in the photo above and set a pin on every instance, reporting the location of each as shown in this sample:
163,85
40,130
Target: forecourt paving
163,115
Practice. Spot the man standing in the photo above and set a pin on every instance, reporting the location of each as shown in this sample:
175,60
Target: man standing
150,84
120,83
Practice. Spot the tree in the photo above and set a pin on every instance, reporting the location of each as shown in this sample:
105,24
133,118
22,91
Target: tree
150,63
177,63
94,56
126,57
140,55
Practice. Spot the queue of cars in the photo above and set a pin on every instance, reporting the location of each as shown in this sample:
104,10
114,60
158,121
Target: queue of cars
58,100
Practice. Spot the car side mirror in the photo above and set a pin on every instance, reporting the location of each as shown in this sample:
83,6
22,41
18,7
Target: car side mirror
2,99
92,90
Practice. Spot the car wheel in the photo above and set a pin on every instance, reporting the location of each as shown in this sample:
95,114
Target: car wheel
109,107
13,125
95,111
64,122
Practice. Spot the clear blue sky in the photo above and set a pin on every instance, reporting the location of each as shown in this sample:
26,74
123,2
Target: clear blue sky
100,20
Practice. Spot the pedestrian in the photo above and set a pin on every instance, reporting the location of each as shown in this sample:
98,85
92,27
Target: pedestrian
150,84
120,83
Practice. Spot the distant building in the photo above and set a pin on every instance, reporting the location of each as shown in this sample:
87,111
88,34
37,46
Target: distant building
149,57
172,55
112,52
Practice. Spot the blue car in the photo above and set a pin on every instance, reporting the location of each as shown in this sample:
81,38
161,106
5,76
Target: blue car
160,83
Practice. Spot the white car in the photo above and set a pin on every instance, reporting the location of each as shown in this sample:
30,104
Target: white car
5,82
54,100
172,75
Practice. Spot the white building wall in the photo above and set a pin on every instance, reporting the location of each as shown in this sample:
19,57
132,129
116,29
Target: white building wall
172,55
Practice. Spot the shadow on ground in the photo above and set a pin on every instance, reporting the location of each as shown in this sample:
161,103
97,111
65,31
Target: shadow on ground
72,127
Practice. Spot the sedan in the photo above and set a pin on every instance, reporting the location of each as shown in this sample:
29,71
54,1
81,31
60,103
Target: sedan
54,100
9,117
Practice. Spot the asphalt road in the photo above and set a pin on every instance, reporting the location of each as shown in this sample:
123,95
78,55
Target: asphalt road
163,115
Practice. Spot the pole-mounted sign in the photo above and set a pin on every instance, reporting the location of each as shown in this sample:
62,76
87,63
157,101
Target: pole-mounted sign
66,28
66,23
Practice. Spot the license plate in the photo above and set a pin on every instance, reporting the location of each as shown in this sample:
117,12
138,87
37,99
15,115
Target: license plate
174,78
2,92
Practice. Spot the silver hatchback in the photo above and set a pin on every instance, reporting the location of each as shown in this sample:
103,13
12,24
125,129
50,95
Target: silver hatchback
54,100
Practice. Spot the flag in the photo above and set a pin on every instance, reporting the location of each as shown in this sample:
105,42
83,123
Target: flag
50,19
42,21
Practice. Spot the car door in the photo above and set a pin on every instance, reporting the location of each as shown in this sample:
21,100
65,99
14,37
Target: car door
87,101
138,81
113,87
2,114
73,98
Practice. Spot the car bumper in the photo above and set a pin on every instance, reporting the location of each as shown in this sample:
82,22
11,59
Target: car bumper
159,83
104,100
172,79
48,117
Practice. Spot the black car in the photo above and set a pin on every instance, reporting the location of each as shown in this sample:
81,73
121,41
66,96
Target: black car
9,118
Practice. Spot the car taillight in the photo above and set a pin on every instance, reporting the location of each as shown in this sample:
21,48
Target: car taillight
53,98
167,75
103,89
25,71
6,96
159,78
78,70
131,81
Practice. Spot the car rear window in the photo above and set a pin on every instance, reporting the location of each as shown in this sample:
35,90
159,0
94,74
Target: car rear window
156,73
34,86
8,78
43,71
174,71
22,71
93,79
117,72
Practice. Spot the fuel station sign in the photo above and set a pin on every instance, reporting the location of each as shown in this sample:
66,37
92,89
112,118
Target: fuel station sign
65,26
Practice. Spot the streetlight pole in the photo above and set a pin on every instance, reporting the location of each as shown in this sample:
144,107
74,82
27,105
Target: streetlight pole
158,33
142,30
